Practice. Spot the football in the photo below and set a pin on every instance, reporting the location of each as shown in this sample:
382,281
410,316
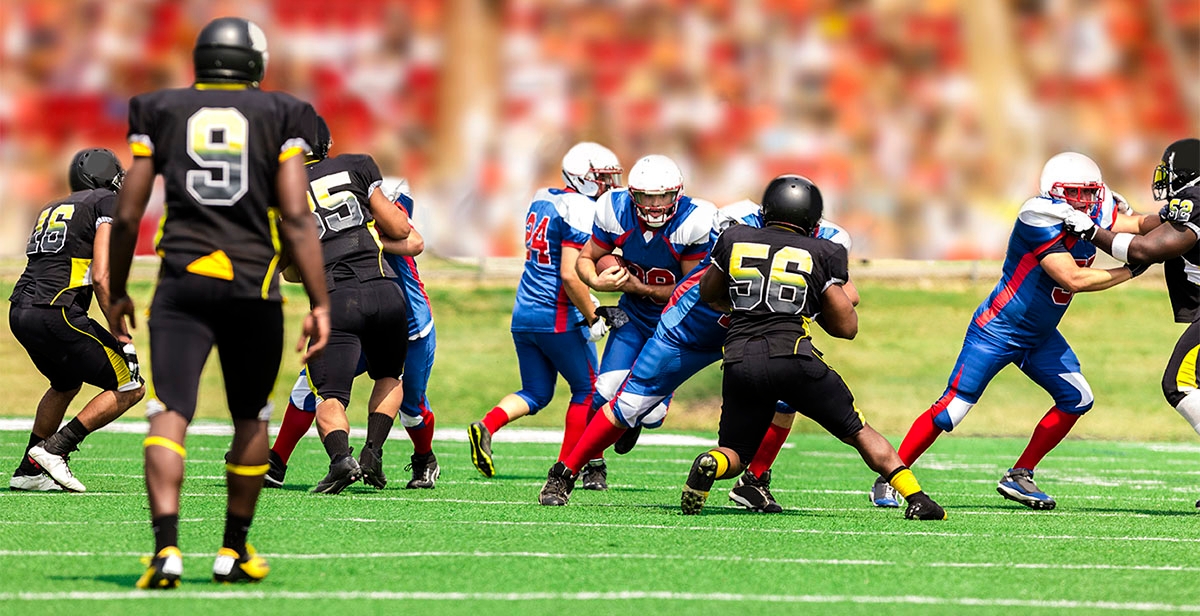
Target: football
608,261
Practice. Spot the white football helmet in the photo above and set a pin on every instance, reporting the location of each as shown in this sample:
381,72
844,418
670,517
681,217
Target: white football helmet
591,169
655,186
1074,178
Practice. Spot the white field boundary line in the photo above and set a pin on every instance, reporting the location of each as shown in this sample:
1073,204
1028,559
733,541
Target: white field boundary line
652,595
665,557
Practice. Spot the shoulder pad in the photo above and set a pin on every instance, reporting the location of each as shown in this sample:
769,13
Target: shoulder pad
1043,212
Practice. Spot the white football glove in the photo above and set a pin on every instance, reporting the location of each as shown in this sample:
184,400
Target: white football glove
1122,204
1080,225
597,330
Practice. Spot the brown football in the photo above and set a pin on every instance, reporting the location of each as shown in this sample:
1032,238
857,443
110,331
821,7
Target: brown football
608,261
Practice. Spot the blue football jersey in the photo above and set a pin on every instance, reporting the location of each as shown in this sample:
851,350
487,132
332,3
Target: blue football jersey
1027,303
653,255
420,317
557,217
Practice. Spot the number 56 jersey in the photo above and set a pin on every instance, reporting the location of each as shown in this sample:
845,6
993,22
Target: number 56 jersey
776,279
218,148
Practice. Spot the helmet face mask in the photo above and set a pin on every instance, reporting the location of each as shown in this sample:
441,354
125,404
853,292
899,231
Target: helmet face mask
655,187
655,209
591,169
1075,179
95,168
1179,169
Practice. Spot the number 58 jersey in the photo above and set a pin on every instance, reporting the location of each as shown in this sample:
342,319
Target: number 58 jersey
218,148
776,280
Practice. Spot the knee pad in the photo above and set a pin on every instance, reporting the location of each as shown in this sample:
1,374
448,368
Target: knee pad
535,404
411,421
951,413
1079,399
607,383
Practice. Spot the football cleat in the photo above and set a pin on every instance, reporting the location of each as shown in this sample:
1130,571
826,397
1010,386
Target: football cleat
276,471
628,440
754,493
371,463
921,507
595,475
425,471
1017,485
699,481
33,483
883,494
560,482
233,568
164,570
341,474
481,449
57,468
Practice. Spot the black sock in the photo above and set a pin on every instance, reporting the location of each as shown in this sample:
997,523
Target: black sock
236,529
27,467
67,439
166,531
337,445
378,428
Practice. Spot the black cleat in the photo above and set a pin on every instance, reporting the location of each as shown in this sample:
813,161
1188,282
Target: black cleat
921,507
699,481
481,449
595,475
425,471
560,482
628,440
754,493
342,473
276,471
370,460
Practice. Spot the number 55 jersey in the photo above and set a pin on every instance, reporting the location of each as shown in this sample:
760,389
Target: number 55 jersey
218,147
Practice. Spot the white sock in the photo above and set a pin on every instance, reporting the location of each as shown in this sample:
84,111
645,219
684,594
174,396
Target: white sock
1189,407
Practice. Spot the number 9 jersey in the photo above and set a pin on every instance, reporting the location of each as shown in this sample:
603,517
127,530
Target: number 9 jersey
218,147
776,279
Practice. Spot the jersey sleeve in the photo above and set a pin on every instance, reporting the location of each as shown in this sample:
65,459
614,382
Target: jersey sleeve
837,265
141,127
1040,226
722,247
695,234
299,123
105,208
605,227
369,170
578,215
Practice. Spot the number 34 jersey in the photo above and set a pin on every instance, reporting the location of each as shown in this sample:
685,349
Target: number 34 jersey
776,279
218,148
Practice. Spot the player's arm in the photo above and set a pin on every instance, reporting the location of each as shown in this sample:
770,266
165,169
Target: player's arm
131,205
851,292
1164,242
390,219
714,289
411,246
838,316
575,289
1061,266
612,279
300,235
100,266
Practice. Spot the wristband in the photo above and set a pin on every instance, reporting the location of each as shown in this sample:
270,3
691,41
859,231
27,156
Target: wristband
1120,246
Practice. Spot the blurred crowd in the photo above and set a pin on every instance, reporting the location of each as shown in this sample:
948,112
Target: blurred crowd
925,122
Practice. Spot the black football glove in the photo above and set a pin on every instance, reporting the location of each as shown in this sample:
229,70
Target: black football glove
1137,269
615,317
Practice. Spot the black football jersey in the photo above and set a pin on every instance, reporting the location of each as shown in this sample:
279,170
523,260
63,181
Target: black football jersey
59,272
1183,272
218,148
340,197
776,280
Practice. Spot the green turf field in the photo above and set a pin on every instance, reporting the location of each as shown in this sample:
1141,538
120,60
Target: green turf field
1123,539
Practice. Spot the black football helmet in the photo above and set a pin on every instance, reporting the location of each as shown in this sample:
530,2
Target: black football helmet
95,168
793,201
320,148
1179,169
230,49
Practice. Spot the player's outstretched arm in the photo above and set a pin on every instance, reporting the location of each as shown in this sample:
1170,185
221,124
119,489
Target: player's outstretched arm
1061,266
389,218
131,204
300,234
1166,241
838,316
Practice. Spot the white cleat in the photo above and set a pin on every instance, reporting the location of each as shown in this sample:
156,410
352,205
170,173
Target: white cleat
57,468
33,483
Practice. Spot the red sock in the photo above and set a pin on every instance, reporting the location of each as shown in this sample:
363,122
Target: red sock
575,423
1049,432
295,425
599,435
495,419
920,436
768,449
422,435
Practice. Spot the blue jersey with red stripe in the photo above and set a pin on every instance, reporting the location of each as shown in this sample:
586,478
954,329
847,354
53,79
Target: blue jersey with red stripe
420,317
654,255
557,217
1027,304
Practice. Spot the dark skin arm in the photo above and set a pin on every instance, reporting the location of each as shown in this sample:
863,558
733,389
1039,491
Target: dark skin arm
714,289
838,316
131,204
299,233
389,218
1163,242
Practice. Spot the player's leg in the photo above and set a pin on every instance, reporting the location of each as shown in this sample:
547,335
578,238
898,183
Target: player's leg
1054,366
50,411
332,376
620,352
1179,383
753,488
250,348
385,345
415,413
299,416
537,389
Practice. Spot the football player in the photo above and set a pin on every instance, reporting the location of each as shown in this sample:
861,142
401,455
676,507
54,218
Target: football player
552,303
1018,323
68,263
232,158
369,318
777,280
1171,237
661,234
416,415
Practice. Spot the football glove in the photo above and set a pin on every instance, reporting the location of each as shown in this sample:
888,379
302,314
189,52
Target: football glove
597,330
615,317
1080,225
1137,269
131,360
1122,204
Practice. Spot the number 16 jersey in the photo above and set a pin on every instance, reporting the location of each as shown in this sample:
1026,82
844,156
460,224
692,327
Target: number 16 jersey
218,148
